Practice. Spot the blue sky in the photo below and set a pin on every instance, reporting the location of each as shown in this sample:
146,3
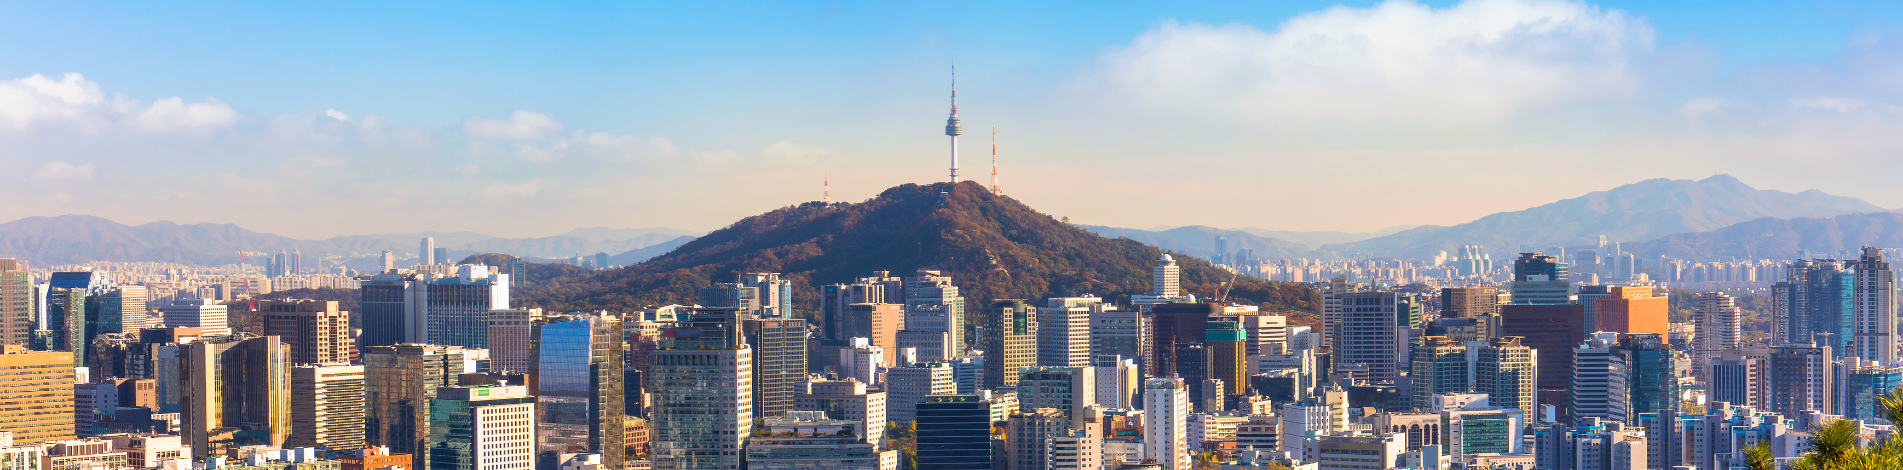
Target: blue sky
523,119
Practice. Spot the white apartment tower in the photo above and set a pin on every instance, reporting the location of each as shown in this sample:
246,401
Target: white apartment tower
1166,422
1166,279
1719,328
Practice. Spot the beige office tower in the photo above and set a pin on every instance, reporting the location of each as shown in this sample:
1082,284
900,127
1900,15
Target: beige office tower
483,428
327,406
399,382
234,393
317,332
510,348
16,302
36,394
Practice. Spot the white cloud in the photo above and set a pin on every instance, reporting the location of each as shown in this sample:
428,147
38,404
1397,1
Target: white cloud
1827,103
500,190
62,171
338,115
790,151
538,137
1397,61
36,101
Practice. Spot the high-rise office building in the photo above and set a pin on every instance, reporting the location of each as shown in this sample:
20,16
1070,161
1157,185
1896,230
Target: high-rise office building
1225,352
1469,302
1738,379
482,428
1267,334
399,382
426,252
1800,378
1046,438
1010,342
1631,310
456,308
1166,422
954,433
316,331
779,363
1864,382
1120,333
17,308
579,387
390,310
776,294
36,394
702,394
1719,325
512,339
926,346
1063,331
932,303
1653,384
1439,365
235,393
1873,294
1118,382
730,295
65,326
877,322
1373,333
1814,304
121,310
1599,388
1540,279
1505,370
209,317
881,288
1166,279
907,386
1173,324
1553,331
1067,389
327,406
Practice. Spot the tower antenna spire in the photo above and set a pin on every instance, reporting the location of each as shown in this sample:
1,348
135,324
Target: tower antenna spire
826,195
953,127
995,189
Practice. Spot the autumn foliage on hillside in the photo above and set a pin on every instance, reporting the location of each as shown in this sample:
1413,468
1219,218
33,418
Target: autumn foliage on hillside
993,246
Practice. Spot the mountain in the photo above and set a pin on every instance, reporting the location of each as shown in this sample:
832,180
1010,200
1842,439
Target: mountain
994,247
74,239
1775,238
1322,238
1200,241
1635,212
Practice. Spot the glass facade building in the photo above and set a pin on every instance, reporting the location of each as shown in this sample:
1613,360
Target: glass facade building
954,433
580,388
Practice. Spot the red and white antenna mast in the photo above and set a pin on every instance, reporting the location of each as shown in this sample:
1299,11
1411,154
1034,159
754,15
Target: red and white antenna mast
826,196
995,189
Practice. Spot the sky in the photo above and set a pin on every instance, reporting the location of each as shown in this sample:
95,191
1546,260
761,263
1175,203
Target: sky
527,119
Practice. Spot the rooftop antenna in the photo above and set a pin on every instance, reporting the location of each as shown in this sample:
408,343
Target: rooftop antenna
995,189
826,195
953,127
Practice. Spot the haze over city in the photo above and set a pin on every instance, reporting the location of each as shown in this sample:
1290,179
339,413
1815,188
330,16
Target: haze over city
531,120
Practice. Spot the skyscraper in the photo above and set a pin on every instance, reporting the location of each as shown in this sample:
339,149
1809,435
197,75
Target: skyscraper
730,295
932,303
426,252
36,394
907,386
65,327
1225,357
1119,333
1166,422
702,395
1553,331
1864,382
207,316
1738,379
1719,327
1010,342
1066,389
954,433
779,363
1539,279
1599,387
399,382
1371,332
457,307
1166,279
881,288
391,310
1817,298
879,323
1470,301
1176,323
1063,331
512,339
235,393
578,383
1439,366
849,400
776,294
16,302
482,428
1631,310
317,332
1653,383
1505,371
327,406
1873,291
1800,378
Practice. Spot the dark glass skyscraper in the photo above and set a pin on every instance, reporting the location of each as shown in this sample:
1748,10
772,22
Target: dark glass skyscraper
579,387
1814,304
954,433
1654,381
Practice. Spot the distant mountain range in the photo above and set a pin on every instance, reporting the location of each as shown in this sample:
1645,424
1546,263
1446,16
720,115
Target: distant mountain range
1775,238
1200,241
1635,212
70,239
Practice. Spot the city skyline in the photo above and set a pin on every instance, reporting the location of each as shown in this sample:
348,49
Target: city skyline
498,121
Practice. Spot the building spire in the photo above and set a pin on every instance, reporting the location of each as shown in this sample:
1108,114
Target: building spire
953,127
995,189
826,195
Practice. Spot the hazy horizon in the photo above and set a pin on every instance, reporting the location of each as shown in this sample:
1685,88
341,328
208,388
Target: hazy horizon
312,121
